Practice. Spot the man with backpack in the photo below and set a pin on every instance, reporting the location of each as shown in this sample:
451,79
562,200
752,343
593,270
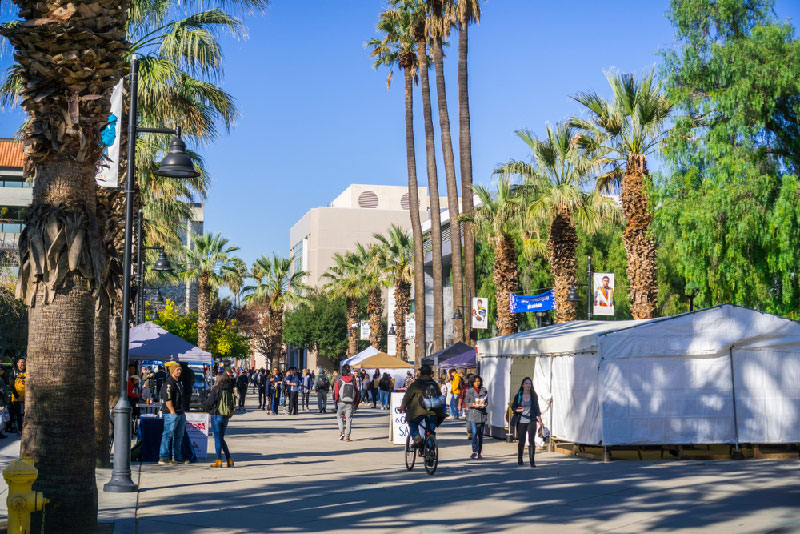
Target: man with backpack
323,386
413,404
306,385
345,394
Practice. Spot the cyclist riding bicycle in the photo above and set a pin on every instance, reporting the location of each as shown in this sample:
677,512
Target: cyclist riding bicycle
423,388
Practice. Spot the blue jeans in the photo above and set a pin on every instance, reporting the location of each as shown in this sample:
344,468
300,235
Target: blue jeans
218,425
384,397
322,400
413,426
477,436
174,428
454,407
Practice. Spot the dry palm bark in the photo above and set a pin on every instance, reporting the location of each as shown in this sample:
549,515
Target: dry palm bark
70,54
639,246
351,307
276,334
561,246
506,280
375,312
402,303
203,310
465,153
433,191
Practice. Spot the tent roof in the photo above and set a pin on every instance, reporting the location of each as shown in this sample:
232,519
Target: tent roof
452,351
381,360
706,332
574,336
149,341
363,355
465,359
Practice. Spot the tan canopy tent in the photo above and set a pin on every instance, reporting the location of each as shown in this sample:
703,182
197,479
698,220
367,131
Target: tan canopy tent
382,361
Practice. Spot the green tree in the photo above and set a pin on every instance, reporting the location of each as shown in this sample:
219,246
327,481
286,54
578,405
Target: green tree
554,185
627,129
346,280
173,321
398,254
318,324
729,200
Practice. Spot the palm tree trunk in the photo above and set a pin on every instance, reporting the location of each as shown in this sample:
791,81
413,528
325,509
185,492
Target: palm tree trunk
114,345
276,333
101,383
433,191
640,248
416,223
465,153
561,245
203,310
375,312
402,293
351,305
506,280
457,274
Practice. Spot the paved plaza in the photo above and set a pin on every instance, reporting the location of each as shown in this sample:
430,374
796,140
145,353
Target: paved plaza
292,474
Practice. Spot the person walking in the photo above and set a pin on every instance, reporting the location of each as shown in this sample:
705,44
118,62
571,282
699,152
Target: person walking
242,382
456,384
334,381
384,388
323,386
447,389
346,396
261,387
525,408
477,399
306,384
174,418
18,377
376,380
220,407
4,402
293,388
275,382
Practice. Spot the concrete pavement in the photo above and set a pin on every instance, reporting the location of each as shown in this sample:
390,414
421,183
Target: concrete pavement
292,474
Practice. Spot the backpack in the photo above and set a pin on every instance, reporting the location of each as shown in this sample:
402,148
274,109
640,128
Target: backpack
226,407
323,383
347,392
386,383
431,397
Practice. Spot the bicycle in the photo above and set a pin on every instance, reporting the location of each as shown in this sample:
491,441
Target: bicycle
428,450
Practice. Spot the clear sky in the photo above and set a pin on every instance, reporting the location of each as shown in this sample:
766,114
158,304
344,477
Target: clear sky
316,117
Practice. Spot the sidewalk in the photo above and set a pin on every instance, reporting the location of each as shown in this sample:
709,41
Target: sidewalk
292,474
116,508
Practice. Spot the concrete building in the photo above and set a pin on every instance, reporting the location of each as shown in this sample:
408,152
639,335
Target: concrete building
15,196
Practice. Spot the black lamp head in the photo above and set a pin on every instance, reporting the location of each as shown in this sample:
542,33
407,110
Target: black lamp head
573,295
177,163
162,263
457,315
159,298
392,331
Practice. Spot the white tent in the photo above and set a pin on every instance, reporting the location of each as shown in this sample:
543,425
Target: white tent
363,355
719,375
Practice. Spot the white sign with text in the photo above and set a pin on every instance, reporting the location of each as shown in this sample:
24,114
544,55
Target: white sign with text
197,430
399,425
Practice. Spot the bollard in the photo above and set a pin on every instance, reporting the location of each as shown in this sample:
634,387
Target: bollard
22,500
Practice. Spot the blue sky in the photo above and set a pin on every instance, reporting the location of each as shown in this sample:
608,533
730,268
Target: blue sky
316,117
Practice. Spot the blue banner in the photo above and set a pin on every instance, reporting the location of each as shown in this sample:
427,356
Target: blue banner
527,303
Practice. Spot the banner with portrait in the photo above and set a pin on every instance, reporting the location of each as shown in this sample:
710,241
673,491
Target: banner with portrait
603,302
480,313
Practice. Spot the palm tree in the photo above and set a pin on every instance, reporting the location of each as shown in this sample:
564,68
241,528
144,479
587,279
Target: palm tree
626,129
555,182
399,47
276,286
498,220
207,261
398,255
466,12
60,248
439,24
369,259
345,279
234,279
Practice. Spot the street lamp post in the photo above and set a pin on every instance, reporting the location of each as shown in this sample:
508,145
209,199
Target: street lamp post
176,164
458,316
573,292
162,264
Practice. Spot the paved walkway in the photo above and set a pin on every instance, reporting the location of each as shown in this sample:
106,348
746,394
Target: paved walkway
293,475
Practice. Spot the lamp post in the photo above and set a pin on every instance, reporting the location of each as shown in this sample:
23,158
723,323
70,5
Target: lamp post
162,264
573,292
458,316
176,164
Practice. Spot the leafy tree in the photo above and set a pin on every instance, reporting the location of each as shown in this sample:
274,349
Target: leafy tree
398,254
318,324
226,340
345,280
729,202
173,321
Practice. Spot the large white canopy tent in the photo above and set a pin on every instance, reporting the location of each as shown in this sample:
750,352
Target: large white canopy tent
724,374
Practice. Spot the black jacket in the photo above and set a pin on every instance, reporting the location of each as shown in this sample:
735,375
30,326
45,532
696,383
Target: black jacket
214,396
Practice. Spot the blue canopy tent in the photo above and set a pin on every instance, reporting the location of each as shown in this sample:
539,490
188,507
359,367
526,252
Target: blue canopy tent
453,351
149,341
467,360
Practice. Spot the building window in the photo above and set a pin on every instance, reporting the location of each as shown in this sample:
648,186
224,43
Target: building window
297,252
368,199
405,203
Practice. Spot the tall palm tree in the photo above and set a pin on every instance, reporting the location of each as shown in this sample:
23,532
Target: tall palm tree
498,221
398,255
345,279
399,47
555,181
277,287
626,129
466,12
439,24
371,261
234,279
207,261
60,247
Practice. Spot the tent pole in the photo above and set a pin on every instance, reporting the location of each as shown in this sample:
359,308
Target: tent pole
733,392
550,443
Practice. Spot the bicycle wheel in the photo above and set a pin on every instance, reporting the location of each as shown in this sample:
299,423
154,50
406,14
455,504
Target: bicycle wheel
411,454
431,454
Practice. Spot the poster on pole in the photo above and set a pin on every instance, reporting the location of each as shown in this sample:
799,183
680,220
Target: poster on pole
603,284
364,331
108,172
399,426
480,313
411,328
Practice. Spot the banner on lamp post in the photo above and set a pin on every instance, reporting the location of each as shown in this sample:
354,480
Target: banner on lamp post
528,303
480,313
364,331
108,172
603,302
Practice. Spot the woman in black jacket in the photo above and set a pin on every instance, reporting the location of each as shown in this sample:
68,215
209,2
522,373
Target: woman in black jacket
220,407
526,412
